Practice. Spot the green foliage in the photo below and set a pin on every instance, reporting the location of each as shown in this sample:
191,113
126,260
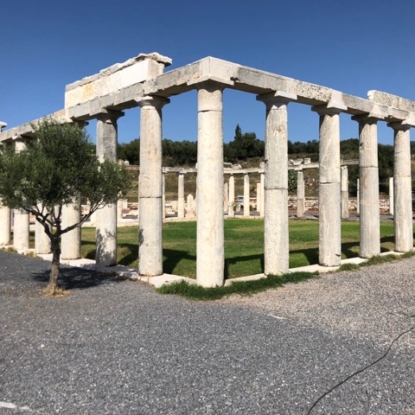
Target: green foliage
195,292
379,259
348,267
56,168
292,181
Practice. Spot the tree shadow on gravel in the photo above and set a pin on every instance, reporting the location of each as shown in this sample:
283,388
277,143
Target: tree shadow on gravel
78,278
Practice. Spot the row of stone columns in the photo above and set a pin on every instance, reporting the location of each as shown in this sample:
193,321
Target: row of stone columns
210,185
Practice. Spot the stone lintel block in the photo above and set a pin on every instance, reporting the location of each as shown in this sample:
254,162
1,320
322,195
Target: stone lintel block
277,98
390,100
116,77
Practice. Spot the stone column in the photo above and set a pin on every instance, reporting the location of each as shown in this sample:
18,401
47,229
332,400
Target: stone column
42,241
21,223
71,241
5,223
358,196
225,197
402,188
261,212
180,196
300,194
329,187
106,217
150,242
276,236
368,187
163,186
344,192
231,208
391,201
258,196
246,196
210,232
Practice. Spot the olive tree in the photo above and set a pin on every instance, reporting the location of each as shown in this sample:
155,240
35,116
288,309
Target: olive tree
58,167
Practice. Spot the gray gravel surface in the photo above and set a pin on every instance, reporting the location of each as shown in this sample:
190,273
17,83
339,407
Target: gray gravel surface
118,347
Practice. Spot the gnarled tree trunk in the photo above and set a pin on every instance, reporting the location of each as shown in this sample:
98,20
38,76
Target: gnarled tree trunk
54,273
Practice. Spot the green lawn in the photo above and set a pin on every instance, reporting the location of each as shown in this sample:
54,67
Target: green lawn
243,245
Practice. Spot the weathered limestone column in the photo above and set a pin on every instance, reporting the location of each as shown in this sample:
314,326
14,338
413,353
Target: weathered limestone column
21,223
163,186
261,212
391,198
150,243
345,192
71,241
180,198
246,196
329,187
210,232
358,196
368,187
225,197
231,208
300,194
5,223
276,237
258,196
106,217
402,188
42,241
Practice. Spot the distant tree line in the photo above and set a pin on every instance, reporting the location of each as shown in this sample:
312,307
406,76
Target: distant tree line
246,146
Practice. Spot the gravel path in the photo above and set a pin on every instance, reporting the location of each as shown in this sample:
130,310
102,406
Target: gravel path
117,347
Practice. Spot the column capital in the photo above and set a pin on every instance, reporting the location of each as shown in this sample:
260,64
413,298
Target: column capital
399,126
276,98
325,109
152,101
109,116
365,119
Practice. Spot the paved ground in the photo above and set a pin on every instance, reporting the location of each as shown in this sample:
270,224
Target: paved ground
117,347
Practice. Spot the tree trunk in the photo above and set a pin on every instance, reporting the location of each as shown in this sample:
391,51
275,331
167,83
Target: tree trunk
51,289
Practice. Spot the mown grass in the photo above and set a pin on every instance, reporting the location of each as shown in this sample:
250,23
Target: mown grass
196,292
243,245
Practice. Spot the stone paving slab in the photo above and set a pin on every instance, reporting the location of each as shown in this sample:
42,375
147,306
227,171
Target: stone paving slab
116,347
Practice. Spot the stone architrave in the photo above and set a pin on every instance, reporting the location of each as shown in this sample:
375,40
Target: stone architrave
344,192
106,217
71,241
150,212
329,186
210,253
391,199
231,205
180,196
368,187
402,188
21,222
247,205
42,241
5,223
276,237
300,194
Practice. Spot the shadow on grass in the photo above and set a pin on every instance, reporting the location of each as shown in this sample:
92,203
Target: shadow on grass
237,260
77,278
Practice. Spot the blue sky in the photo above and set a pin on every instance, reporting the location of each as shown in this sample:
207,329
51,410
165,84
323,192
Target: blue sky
352,46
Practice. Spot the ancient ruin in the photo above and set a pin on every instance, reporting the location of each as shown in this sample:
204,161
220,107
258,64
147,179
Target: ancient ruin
142,82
